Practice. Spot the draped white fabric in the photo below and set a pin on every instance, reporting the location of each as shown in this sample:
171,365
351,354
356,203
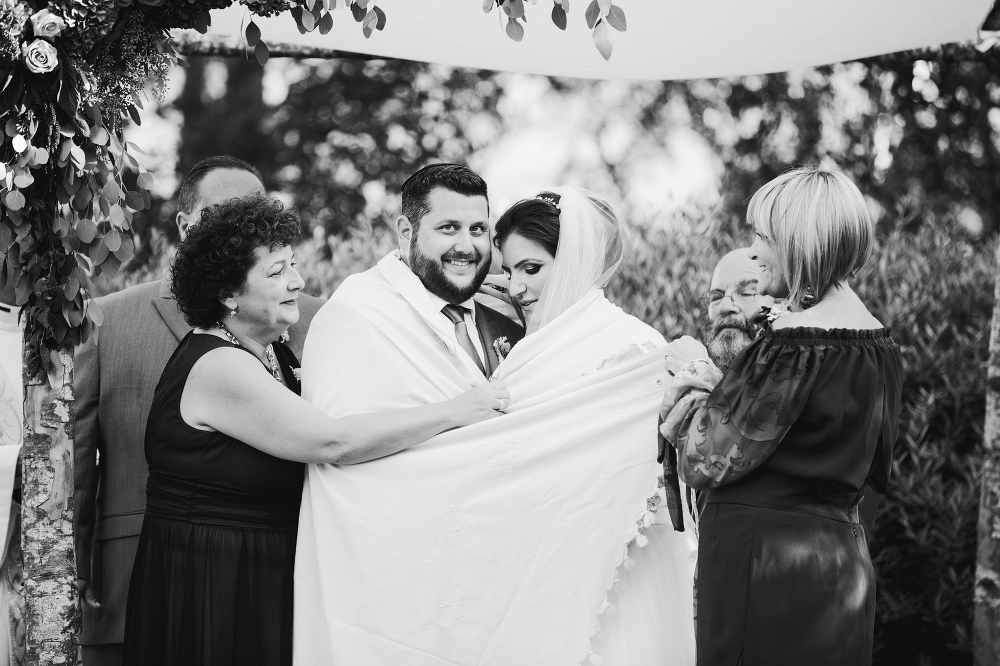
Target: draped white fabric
686,39
489,545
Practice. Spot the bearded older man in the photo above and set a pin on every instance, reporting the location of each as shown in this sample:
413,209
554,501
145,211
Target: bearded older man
729,305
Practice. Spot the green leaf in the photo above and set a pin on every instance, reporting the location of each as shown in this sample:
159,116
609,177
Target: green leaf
77,156
22,289
99,136
99,252
203,22
359,12
308,21
134,200
604,6
380,25
126,250
20,144
111,265
71,288
14,200
145,180
488,5
368,25
616,18
261,52
39,156
83,198
297,13
113,239
326,23
94,312
111,191
514,30
593,13
117,217
23,178
559,16
515,9
60,226
602,39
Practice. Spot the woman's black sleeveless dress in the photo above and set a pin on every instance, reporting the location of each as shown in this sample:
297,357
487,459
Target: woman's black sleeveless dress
212,583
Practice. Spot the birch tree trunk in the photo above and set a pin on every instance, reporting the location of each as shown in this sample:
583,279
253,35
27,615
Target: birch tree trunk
986,622
53,612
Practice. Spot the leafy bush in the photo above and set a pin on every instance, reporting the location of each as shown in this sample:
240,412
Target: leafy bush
936,289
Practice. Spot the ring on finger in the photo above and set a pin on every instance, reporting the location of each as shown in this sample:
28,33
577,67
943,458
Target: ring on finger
502,404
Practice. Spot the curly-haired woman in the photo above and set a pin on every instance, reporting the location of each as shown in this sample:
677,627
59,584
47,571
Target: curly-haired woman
226,440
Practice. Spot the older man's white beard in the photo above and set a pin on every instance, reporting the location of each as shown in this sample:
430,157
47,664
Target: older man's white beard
727,345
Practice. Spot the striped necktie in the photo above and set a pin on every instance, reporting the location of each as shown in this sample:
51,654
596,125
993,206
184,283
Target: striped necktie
456,314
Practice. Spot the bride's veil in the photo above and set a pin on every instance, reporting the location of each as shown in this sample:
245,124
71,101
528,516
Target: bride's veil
590,249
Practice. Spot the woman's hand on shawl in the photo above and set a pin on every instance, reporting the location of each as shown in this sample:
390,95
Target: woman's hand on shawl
681,351
483,402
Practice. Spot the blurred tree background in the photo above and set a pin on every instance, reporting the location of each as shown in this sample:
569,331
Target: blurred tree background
918,131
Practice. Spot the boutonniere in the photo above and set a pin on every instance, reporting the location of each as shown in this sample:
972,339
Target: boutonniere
501,347
297,373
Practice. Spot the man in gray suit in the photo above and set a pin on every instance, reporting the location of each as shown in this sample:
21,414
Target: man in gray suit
115,379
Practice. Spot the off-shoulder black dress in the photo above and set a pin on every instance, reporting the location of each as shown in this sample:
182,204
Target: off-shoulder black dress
785,577
212,583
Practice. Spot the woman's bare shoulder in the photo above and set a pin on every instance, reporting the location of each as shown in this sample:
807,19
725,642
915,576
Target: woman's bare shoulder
849,315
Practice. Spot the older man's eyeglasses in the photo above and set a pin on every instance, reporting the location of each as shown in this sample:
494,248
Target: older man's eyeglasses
741,298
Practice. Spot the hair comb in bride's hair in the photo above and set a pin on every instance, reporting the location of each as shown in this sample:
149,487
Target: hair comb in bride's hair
550,197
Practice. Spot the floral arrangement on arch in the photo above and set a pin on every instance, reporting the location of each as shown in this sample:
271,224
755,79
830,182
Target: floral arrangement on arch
71,73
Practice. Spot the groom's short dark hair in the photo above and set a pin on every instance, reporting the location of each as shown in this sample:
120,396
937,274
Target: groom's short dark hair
454,177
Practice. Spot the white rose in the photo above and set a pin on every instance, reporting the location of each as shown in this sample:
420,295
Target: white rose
40,56
47,24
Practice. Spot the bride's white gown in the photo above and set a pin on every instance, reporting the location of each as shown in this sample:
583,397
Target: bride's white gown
651,622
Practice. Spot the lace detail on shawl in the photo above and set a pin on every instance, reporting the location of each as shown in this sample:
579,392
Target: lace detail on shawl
437,621
622,354
655,499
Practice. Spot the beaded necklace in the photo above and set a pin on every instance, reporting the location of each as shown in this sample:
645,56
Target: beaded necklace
268,351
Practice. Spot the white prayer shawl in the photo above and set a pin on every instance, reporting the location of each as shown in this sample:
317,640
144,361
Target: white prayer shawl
490,545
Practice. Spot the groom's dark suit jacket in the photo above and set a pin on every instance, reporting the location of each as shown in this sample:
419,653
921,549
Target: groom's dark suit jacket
494,326
115,379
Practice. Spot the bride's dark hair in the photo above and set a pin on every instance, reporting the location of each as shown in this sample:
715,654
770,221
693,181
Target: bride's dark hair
534,219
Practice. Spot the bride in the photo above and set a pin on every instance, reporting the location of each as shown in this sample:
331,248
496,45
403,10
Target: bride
530,539
552,248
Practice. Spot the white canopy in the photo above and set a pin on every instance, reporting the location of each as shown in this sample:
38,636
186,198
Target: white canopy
665,39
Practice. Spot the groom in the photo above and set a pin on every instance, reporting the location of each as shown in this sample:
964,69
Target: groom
402,334
443,257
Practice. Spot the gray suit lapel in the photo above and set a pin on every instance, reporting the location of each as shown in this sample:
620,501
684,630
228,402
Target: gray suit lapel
166,306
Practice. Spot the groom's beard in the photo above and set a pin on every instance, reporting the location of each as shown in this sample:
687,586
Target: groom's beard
726,337
431,272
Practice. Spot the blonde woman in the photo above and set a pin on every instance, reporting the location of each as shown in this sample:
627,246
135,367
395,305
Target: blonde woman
786,441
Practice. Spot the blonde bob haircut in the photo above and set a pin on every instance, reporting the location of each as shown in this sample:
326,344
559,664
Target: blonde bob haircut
820,227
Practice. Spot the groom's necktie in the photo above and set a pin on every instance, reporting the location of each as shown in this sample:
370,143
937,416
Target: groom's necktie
456,313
